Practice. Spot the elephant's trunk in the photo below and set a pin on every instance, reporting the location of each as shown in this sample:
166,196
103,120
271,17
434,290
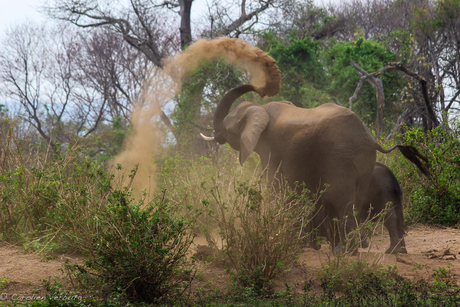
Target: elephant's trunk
224,106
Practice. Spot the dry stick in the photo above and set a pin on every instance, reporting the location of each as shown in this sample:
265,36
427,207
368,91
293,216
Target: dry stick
398,123
379,92
452,101
433,123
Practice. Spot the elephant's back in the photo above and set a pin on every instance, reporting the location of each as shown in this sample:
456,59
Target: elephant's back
327,121
322,142
288,114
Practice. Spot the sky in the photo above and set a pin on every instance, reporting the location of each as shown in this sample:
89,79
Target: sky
18,11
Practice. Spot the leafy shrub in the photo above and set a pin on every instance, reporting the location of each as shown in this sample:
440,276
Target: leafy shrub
437,198
37,190
138,250
355,283
33,182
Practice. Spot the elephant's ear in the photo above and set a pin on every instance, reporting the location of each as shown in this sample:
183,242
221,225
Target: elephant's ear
255,119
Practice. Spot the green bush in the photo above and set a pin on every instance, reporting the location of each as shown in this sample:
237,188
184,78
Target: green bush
252,227
355,283
37,185
437,199
139,251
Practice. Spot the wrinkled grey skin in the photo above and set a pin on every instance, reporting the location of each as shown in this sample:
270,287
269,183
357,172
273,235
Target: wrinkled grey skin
324,145
384,189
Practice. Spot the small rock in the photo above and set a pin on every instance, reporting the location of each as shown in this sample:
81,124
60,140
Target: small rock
400,259
449,257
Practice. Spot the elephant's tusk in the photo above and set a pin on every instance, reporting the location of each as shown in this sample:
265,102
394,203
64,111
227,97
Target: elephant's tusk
207,138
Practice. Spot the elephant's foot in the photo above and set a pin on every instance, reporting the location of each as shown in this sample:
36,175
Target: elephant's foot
396,250
339,249
315,245
364,243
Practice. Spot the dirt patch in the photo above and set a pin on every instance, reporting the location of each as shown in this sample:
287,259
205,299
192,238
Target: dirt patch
428,248
22,274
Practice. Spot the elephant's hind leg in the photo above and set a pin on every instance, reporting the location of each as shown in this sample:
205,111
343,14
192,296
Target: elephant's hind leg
397,243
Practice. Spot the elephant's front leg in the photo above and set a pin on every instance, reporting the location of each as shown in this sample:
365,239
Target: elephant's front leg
347,207
349,238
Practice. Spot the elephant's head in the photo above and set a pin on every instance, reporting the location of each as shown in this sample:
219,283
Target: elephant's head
243,126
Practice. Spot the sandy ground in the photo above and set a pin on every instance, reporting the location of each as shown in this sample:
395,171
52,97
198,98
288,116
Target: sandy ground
429,248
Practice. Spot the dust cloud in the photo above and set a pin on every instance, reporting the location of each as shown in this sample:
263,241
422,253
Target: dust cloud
144,143
265,75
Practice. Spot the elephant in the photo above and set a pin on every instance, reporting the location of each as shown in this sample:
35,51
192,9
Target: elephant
327,145
383,189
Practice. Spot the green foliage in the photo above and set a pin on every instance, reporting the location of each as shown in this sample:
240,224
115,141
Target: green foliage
362,285
68,202
349,277
446,13
139,251
246,222
201,91
108,140
344,78
4,282
36,189
437,199
303,74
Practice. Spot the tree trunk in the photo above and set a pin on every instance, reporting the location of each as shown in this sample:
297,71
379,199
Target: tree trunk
380,95
185,27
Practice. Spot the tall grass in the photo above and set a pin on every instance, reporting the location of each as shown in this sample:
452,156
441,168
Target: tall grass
33,180
257,228
63,201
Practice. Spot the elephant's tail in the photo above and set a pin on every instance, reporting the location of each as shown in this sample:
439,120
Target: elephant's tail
412,154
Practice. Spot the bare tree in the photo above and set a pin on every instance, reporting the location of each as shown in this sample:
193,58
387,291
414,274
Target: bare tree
379,93
235,17
430,120
65,83
25,61
143,25
109,66
148,25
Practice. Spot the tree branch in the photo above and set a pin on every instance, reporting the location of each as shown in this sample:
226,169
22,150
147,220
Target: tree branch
433,120
398,123
243,18
379,93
